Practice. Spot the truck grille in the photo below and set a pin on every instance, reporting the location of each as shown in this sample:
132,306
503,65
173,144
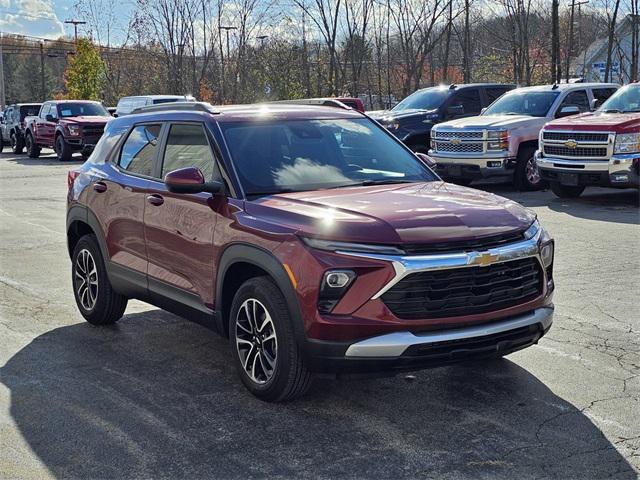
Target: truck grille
461,134
465,291
590,152
577,136
464,147
93,130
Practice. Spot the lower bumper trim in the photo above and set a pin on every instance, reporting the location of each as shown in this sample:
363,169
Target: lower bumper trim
395,344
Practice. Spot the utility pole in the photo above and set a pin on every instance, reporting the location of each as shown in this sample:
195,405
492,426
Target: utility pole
2,97
75,24
262,38
570,42
556,73
226,29
42,71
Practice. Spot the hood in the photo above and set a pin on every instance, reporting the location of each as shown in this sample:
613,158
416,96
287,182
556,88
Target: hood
87,120
618,122
394,214
494,121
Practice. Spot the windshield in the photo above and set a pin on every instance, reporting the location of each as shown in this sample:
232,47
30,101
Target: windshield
534,104
625,100
427,99
82,109
297,155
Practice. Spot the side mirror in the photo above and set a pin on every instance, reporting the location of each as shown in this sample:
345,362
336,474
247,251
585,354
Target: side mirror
426,159
595,104
190,180
49,118
455,110
568,111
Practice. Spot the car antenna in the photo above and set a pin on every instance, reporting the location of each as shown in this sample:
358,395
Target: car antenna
452,86
555,85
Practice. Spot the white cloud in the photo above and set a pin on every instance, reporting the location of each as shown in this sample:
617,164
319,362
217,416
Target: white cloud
30,17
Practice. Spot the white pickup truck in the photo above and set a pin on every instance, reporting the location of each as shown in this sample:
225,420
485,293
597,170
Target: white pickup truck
501,142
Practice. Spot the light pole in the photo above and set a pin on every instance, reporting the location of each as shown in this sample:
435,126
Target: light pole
262,38
226,28
75,24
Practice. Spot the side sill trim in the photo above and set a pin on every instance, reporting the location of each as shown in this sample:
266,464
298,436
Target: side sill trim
395,344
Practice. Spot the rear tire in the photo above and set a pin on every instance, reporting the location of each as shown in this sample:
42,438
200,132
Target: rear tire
32,148
17,144
94,295
63,150
263,343
566,191
527,176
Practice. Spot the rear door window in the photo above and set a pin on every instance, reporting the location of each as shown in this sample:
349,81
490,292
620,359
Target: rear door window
469,99
187,146
493,93
602,94
578,99
139,150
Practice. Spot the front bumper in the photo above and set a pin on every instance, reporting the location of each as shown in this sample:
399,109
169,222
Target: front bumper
405,350
620,171
476,167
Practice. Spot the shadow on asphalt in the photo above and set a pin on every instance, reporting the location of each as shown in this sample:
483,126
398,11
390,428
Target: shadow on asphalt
44,159
155,396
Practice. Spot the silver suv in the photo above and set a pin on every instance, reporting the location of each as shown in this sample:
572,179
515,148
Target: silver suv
501,142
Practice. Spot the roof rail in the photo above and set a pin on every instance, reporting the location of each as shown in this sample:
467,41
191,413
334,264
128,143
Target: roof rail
183,106
324,102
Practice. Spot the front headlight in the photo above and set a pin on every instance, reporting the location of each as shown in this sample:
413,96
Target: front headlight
332,246
627,143
74,130
498,140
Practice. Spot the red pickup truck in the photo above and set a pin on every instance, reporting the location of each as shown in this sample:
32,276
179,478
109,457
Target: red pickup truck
594,149
67,126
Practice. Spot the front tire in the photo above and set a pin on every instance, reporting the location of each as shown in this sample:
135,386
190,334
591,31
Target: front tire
566,191
526,176
94,295
263,343
63,150
32,148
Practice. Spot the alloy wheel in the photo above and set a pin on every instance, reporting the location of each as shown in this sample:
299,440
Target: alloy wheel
532,172
86,279
256,341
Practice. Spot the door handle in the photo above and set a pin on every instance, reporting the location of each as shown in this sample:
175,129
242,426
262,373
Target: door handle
100,187
155,199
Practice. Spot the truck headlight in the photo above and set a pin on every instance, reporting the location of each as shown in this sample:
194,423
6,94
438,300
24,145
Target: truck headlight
498,140
74,130
627,143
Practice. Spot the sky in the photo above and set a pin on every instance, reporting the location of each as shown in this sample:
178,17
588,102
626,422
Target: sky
38,18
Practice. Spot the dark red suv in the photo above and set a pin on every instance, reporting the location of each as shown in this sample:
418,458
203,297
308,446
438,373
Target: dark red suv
310,236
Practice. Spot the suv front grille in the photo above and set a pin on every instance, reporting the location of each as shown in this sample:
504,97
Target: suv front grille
577,136
465,291
479,244
465,147
460,134
597,152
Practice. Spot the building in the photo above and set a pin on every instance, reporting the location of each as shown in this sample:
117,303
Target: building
591,63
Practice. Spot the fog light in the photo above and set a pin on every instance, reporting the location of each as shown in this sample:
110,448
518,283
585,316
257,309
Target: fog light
546,253
621,177
494,164
335,284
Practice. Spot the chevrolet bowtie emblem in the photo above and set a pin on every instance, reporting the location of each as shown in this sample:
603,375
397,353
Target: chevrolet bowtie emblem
485,259
571,144
456,141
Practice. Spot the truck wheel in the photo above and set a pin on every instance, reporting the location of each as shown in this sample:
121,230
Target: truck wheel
32,148
96,300
526,175
16,143
566,191
63,151
263,343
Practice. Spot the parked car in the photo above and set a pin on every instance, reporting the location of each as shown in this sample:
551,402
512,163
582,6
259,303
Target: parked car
67,126
126,105
309,236
502,141
412,119
594,149
13,124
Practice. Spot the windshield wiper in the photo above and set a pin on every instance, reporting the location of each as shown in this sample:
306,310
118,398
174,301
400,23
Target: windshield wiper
368,183
612,110
271,192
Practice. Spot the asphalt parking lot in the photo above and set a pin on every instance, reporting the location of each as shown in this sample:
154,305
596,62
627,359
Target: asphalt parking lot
156,396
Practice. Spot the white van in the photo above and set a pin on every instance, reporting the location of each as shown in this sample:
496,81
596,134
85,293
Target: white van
126,105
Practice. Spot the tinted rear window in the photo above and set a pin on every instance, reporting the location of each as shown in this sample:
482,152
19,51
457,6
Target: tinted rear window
26,110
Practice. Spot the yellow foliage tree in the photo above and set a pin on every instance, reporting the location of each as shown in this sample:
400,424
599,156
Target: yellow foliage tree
84,77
